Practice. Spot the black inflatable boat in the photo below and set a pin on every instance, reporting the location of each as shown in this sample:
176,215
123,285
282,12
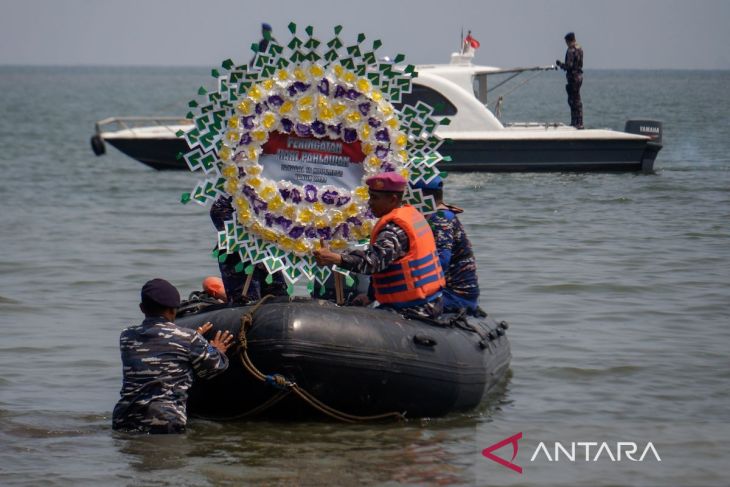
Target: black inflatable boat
300,358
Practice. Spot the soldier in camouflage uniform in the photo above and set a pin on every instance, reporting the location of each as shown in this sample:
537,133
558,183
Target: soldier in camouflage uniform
455,253
573,67
391,244
158,362
220,212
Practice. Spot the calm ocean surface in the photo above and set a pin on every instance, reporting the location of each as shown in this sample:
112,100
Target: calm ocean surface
617,288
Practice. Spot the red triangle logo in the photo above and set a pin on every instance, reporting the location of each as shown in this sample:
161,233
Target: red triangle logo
487,452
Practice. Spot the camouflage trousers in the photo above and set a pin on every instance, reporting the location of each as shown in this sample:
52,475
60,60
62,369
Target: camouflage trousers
155,417
574,101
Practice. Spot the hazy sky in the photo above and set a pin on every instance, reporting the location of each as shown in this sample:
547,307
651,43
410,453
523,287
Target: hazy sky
683,34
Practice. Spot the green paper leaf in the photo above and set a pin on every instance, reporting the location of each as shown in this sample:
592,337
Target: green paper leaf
321,290
292,27
290,290
185,198
222,257
202,91
248,270
360,37
399,58
349,281
338,29
376,44
227,64
269,279
310,287
179,156
215,73
309,30
239,267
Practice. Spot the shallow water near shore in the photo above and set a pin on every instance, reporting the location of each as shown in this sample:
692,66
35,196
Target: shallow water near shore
616,287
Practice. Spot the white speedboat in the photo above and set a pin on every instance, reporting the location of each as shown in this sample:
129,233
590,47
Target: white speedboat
477,140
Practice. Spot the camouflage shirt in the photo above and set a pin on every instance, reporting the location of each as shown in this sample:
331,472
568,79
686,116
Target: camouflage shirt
390,244
455,253
159,359
573,64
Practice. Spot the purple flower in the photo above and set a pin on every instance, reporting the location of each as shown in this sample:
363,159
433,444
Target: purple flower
335,128
340,91
344,230
268,219
283,222
285,193
352,94
318,127
296,232
310,232
296,196
259,205
381,152
248,122
303,130
350,135
297,86
245,139
324,87
286,125
374,122
364,108
343,200
310,193
382,135
387,167
354,220
329,197
259,109
325,233
276,100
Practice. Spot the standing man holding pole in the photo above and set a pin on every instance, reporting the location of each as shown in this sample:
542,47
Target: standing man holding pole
573,67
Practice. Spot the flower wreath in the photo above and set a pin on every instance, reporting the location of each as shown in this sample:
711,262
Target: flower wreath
329,98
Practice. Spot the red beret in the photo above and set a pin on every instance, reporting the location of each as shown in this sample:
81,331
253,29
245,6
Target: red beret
387,181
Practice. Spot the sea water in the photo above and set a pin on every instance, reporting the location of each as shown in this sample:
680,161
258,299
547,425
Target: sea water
616,286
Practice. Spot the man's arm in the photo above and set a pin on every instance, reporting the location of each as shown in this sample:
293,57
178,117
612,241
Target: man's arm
443,235
390,244
209,359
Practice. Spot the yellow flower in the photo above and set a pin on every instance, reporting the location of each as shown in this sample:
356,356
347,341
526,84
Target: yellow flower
401,140
337,217
305,115
255,93
269,235
376,95
387,110
305,102
276,203
252,154
258,135
367,149
267,193
290,212
268,84
231,186
364,85
351,210
225,155
403,154
253,170
316,70
350,76
299,74
365,131
373,162
286,107
302,245
305,215
340,108
255,182
286,243
321,222
244,107
233,122
244,216
326,114
318,207
232,136
353,117
338,244
339,70
241,203
282,74
268,120
362,192
392,123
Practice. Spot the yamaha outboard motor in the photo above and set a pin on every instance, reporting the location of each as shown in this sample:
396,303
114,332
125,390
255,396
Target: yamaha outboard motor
649,128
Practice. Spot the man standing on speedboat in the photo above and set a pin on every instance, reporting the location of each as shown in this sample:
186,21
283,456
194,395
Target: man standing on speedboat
573,67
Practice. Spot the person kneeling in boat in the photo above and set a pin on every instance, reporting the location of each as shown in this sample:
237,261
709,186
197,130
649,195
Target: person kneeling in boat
401,258
158,362
454,251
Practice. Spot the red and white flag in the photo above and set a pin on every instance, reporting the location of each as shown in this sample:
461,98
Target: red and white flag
471,42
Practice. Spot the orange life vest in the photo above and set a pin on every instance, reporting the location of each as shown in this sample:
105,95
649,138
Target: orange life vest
417,277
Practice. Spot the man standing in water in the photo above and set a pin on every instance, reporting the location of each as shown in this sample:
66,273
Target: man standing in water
573,67
158,362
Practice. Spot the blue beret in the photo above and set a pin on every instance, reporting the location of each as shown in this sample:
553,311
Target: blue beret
159,291
265,26
570,36
435,183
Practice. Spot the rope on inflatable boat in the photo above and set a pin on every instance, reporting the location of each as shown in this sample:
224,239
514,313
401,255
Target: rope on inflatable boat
287,386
